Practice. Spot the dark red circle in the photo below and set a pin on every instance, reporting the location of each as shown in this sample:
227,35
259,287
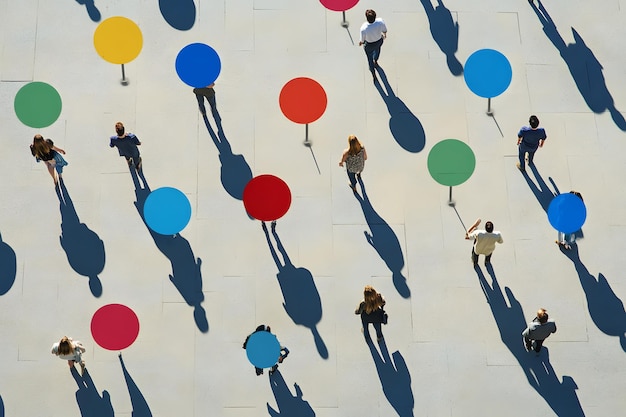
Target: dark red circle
114,326
266,197
302,100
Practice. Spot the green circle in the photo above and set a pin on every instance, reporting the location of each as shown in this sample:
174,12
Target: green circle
451,162
37,104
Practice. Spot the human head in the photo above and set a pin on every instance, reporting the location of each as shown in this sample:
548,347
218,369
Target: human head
65,346
37,138
542,315
354,144
577,194
370,15
119,128
40,147
489,227
533,121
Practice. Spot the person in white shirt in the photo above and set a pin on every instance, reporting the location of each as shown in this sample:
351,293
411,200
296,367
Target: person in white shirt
484,241
373,33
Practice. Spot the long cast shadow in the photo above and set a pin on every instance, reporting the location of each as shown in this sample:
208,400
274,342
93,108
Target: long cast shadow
8,267
137,400
179,14
384,240
92,10
405,127
288,405
560,396
445,32
1,407
585,68
605,307
235,172
186,272
394,377
83,247
302,300
90,403
542,192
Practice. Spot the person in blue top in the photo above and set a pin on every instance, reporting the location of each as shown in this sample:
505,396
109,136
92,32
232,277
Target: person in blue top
126,144
529,139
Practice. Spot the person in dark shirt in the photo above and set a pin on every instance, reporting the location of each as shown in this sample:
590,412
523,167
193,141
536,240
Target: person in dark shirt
529,139
126,144
44,150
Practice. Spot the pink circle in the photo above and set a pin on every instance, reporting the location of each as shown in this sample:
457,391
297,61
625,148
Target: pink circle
114,326
266,197
339,5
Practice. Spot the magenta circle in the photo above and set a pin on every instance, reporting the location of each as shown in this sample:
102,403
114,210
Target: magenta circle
339,5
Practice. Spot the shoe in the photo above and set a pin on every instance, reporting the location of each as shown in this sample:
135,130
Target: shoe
259,372
353,188
274,368
130,161
138,166
528,347
517,164
82,368
273,225
375,64
263,226
378,339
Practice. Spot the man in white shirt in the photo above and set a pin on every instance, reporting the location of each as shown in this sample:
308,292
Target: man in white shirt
484,241
373,32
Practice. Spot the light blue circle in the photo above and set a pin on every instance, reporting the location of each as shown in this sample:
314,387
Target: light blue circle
167,211
487,73
263,349
567,213
198,65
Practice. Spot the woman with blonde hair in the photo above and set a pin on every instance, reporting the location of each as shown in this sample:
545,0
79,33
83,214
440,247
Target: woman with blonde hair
354,157
371,311
44,150
71,351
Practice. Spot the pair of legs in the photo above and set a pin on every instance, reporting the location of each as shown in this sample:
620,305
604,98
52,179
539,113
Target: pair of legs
475,257
131,161
566,240
372,51
353,176
53,169
522,157
377,327
529,344
71,363
212,104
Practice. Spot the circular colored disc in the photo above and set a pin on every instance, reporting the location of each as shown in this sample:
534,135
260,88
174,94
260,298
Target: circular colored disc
487,73
114,326
266,197
302,100
118,40
263,349
567,213
198,65
167,211
451,162
339,5
37,104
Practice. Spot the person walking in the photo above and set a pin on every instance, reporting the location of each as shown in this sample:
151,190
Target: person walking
538,330
529,139
209,93
284,352
126,144
566,240
484,241
373,34
354,157
371,311
44,150
71,351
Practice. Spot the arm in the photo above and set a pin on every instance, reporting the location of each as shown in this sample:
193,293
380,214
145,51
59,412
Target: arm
364,154
359,308
541,142
472,228
58,150
344,156
382,300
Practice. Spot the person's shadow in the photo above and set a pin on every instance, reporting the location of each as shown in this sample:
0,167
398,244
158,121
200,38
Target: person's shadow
445,32
585,68
235,173
90,403
302,300
560,396
137,400
394,377
405,127
287,404
383,239
83,247
1,407
186,273
8,267
605,307
92,10
179,14
542,192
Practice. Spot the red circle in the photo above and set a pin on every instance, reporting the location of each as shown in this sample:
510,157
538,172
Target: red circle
302,100
114,326
339,5
266,197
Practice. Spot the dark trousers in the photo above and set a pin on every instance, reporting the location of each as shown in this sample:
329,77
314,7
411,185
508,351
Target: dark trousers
522,152
475,257
352,177
377,327
212,103
372,51
538,344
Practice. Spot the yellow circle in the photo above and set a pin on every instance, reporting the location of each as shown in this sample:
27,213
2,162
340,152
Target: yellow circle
118,40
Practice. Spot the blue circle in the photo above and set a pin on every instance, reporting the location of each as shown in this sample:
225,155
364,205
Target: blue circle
263,349
487,73
567,213
167,211
198,65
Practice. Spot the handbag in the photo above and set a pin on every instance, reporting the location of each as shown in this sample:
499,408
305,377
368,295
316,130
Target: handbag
385,316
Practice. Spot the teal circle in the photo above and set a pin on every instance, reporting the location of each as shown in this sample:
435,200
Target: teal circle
451,162
37,104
